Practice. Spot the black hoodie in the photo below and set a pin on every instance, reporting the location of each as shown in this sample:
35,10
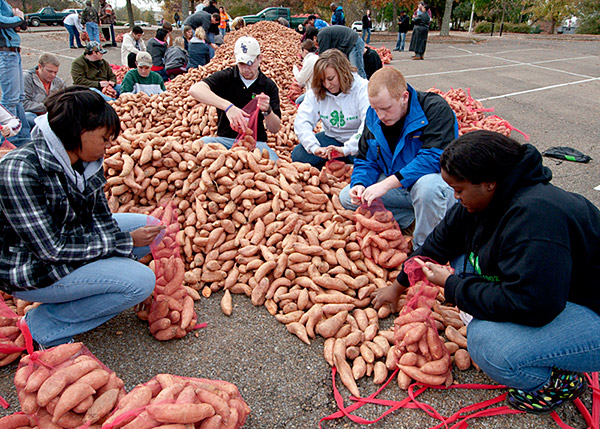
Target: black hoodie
536,247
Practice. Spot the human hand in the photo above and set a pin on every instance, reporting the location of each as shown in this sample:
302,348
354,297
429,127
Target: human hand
389,296
435,273
18,13
321,152
110,91
263,102
145,235
238,119
356,194
5,131
105,83
375,191
334,151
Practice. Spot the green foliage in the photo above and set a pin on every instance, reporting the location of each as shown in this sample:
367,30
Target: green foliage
589,13
486,27
121,14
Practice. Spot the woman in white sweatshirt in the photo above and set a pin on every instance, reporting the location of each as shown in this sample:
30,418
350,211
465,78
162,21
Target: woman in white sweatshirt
339,99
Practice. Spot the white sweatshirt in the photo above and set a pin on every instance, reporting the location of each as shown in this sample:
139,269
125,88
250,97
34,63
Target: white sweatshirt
304,76
128,46
10,121
342,115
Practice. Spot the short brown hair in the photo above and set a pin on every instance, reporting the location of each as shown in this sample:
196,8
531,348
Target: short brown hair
48,59
390,78
336,59
309,45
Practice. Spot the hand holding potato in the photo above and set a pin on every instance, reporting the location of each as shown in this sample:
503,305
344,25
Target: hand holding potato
145,235
5,131
238,119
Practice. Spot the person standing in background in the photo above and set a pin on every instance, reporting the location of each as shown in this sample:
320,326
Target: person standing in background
338,17
403,27
40,82
366,26
11,69
89,18
224,23
73,25
107,19
418,41
177,19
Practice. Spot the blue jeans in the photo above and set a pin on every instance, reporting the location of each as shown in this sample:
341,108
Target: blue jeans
228,143
117,88
425,203
366,35
299,154
356,57
400,42
92,294
93,31
73,36
13,93
522,357
31,119
223,31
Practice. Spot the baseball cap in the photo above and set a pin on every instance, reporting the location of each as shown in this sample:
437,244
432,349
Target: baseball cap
94,47
246,50
143,59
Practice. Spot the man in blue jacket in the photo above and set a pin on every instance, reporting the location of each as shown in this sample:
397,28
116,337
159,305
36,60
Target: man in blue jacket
398,158
11,69
338,17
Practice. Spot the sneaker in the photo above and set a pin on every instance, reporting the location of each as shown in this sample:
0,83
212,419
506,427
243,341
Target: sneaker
563,386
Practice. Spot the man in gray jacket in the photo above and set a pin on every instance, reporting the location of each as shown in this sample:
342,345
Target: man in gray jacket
40,82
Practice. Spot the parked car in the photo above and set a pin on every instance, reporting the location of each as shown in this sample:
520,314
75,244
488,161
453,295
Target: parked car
357,26
70,11
45,15
139,24
272,13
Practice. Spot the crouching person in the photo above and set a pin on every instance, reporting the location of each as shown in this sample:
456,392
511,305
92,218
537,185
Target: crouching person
61,244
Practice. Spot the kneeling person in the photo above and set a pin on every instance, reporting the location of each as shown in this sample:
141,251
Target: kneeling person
142,79
231,89
399,152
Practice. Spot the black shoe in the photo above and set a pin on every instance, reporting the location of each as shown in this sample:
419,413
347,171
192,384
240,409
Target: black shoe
564,386
73,47
107,45
114,46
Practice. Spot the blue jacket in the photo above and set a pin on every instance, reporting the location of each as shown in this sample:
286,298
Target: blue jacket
429,126
8,23
338,17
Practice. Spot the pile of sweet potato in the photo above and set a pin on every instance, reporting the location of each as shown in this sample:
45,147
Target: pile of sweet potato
66,387
172,401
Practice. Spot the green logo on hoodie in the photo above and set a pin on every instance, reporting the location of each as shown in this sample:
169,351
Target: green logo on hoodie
474,260
337,119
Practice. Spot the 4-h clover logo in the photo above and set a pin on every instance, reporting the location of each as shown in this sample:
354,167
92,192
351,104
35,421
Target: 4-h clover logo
337,119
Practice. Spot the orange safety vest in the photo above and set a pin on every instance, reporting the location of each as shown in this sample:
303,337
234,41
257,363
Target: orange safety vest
224,19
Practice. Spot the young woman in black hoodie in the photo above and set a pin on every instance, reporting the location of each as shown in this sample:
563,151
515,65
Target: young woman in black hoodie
532,252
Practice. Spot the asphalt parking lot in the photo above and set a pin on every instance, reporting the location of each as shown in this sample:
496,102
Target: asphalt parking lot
547,87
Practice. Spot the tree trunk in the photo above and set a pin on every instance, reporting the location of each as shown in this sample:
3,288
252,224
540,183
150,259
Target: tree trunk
552,25
394,14
445,29
185,9
130,17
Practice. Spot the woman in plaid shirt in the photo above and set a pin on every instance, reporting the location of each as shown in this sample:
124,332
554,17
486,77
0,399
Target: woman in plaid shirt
61,244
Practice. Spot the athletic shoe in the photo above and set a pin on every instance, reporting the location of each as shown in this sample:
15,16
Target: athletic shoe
563,386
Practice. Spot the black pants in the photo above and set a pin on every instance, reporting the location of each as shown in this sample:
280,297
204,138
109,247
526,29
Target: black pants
131,60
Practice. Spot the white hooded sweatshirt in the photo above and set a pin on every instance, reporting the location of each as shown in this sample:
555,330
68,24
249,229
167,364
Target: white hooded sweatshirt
342,115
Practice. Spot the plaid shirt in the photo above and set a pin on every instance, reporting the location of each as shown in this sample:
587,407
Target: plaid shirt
48,227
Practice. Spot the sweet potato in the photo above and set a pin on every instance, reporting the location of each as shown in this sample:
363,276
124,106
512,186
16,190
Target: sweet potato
462,359
456,337
102,405
180,413
298,330
70,398
226,303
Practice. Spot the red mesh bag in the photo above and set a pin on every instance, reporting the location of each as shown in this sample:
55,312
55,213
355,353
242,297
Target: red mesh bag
419,351
170,309
12,341
169,399
247,137
66,386
379,235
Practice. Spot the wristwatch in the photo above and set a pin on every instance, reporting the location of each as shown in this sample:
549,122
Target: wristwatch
268,112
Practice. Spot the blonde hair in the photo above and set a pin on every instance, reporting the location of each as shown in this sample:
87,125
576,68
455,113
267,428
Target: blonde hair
179,42
340,63
238,23
390,78
200,33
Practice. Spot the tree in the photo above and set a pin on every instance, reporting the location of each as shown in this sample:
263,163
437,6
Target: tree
553,11
445,29
589,11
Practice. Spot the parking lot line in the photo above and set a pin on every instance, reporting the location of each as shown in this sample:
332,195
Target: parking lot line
544,88
45,51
